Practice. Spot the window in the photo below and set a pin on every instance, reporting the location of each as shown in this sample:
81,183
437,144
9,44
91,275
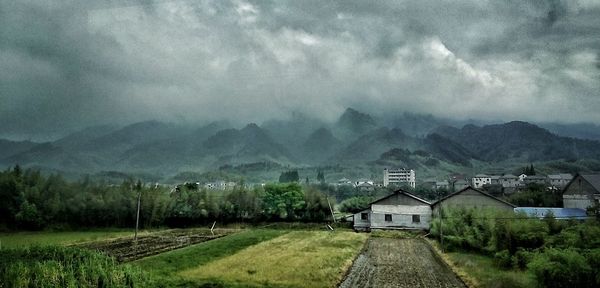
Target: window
364,216
388,217
416,218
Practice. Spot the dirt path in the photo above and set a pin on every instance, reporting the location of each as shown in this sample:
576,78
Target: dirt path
388,262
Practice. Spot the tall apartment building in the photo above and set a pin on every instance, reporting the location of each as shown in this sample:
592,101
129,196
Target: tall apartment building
399,177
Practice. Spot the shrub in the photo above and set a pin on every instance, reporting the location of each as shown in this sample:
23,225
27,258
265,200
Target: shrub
502,259
561,268
585,236
521,258
593,258
64,267
512,234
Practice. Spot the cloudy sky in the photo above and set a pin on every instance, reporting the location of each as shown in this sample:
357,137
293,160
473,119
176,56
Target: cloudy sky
65,65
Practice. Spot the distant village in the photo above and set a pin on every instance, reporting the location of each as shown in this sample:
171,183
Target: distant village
404,210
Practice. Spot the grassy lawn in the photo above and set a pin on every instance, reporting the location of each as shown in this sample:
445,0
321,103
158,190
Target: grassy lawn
484,273
22,239
166,266
296,259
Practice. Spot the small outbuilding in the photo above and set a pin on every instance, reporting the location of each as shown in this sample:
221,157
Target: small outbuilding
470,197
557,213
400,210
582,192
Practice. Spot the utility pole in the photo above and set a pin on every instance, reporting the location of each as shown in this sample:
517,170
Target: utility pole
332,216
441,214
441,227
137,218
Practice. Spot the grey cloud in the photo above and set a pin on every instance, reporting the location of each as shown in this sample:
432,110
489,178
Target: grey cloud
70,65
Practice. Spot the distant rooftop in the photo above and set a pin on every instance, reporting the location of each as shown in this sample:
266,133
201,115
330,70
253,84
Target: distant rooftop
593,179
564,176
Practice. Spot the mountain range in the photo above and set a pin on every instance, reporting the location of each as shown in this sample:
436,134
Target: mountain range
424,143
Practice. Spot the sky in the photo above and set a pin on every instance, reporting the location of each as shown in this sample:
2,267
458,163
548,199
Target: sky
65,65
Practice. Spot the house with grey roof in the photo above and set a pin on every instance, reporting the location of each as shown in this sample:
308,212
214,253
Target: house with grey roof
535,179
399,210
509,181
582,192
470,197
559,180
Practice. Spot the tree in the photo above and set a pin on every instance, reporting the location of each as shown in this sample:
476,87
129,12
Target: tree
283,201
289,176
529,170
355,204
317,208
320,176
28,216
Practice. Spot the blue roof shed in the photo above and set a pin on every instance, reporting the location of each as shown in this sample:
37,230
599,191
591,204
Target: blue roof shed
559,213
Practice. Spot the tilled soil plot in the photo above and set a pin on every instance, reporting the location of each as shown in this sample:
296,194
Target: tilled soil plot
125,249
388,262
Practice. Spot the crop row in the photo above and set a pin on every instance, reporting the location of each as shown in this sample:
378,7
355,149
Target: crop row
127,249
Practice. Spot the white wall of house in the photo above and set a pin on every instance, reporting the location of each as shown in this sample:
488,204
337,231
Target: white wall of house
577,201
478,182
360,223
393,217
400,217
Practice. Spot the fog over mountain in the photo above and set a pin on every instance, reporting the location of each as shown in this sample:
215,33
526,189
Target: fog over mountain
356,143
68,65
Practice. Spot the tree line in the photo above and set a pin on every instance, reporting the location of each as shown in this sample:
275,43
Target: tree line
30,201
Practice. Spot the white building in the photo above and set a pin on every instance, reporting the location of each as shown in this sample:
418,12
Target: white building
481,179
400,210
399,177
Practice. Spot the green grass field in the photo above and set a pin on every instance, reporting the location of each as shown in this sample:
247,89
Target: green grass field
482,270
296,259
250,258
166,266
260,258
24,239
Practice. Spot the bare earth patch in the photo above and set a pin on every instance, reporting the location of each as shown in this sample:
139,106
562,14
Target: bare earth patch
125,249
388,262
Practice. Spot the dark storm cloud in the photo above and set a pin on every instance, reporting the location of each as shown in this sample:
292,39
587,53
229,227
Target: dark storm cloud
66,65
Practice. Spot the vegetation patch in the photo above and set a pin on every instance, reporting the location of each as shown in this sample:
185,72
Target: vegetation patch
296,259
54,266
24,239
487,274
513,250
166,266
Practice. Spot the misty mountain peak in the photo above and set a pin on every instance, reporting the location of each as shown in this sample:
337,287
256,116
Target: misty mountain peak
252,130
320,138
356,121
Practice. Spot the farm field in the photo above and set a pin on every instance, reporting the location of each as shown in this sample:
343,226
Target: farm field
296,259
126,249
390,262
260,258
267,257
24,239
